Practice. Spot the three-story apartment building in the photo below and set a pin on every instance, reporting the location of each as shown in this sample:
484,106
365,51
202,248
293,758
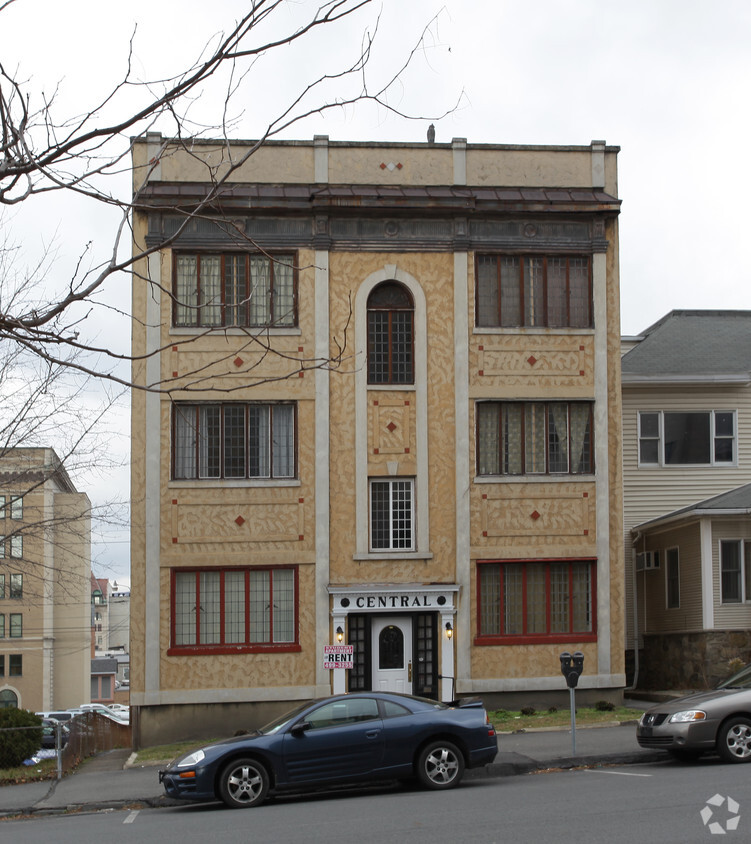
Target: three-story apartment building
385,413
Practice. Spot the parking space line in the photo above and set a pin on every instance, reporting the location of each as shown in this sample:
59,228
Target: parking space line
131,817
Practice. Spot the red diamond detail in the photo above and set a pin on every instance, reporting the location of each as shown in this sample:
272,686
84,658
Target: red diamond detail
238,361
391,427
531,360
535,515
239,521
383,166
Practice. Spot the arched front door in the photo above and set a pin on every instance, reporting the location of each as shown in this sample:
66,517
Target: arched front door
392,653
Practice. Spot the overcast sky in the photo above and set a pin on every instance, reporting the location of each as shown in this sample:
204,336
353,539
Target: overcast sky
666,80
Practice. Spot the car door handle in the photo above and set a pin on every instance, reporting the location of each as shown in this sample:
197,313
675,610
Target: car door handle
371,734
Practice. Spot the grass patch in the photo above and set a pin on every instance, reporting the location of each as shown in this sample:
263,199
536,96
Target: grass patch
45,769
505,721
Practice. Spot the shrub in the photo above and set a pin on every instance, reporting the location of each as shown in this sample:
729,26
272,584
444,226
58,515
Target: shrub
553,709
17,745
527,710
604,706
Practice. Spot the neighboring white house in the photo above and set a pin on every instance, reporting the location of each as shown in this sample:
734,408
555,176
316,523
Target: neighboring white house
687,468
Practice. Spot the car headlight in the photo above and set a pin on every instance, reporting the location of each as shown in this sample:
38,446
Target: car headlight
687,716
191,760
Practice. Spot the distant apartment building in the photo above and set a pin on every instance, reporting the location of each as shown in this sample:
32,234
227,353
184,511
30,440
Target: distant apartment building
393,425
45,609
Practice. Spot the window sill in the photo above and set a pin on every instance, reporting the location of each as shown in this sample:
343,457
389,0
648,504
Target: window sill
212,650
252,331
547,639
527,329
534,479
221,483
392,555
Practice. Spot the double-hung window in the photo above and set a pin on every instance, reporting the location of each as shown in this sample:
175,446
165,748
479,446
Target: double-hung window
536,600
234,289
516,291
15,627
15,665
233,440
228,610
518,438
735,571
392,516
680,438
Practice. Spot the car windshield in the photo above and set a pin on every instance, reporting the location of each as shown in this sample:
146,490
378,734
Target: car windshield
278,723
740,680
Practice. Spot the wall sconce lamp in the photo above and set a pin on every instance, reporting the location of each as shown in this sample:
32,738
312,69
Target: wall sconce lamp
449,630
339,634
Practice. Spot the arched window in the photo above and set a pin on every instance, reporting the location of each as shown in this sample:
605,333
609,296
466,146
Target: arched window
391,314
8,699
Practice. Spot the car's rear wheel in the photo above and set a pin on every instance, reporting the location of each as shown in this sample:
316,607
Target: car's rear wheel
243,783
734,740
440,765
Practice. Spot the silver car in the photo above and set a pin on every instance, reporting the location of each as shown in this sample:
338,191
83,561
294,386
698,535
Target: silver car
717,721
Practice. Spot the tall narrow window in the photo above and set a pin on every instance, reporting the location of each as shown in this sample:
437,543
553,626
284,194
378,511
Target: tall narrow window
391,515
731,581
390,335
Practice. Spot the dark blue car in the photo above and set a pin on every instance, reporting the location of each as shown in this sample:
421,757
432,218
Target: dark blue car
351,738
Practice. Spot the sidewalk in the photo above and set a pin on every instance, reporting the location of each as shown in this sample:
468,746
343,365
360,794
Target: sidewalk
106,781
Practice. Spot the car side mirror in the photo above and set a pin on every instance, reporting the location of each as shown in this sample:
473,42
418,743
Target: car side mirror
300,728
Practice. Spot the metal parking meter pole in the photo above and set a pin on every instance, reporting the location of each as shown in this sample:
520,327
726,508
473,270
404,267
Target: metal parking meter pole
571,668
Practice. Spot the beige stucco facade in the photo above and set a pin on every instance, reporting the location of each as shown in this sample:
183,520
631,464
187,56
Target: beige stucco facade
45,608
357,218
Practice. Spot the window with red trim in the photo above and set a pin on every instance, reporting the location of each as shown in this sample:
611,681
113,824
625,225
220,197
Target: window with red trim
536,600
238,609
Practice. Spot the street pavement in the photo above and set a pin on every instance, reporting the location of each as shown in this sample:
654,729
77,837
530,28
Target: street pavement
112,780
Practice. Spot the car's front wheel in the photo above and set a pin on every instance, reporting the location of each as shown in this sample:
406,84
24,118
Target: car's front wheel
440,765
243,783
734,740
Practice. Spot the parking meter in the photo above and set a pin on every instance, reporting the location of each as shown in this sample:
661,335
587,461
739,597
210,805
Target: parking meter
572,667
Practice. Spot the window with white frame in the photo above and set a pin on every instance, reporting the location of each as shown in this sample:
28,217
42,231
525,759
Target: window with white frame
16,546
515,291
392,515
517,438
215,290
227,610
735,571
681,438
672,579
233,440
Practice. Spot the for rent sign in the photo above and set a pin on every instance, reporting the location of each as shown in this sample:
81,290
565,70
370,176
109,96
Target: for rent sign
338,656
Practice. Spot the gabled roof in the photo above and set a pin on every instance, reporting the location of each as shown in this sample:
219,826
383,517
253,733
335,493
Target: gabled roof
735,502
692,347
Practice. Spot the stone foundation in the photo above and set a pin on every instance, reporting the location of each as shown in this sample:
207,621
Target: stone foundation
691,660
